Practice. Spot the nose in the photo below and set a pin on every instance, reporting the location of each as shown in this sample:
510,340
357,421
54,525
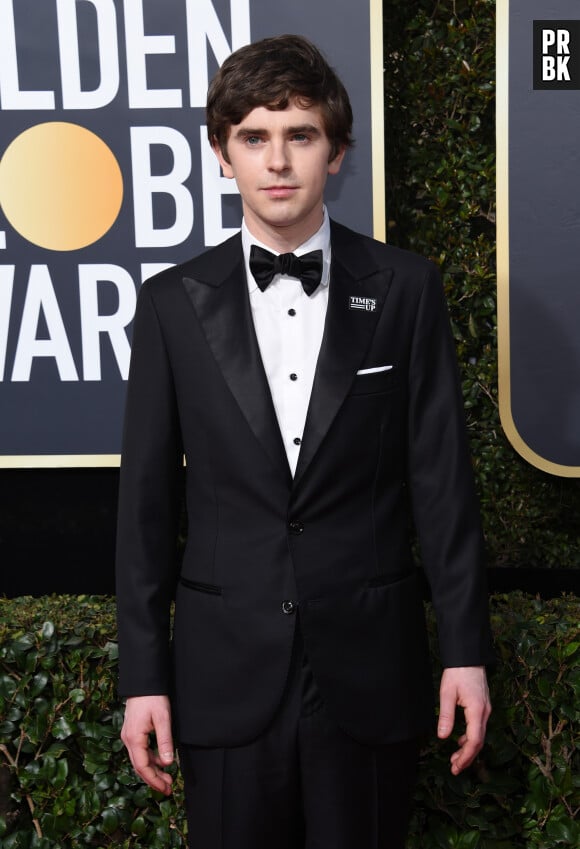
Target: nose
278,160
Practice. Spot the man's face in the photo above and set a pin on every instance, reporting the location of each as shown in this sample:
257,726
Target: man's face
280,161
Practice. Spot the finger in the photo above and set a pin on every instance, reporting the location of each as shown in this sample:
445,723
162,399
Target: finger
465,756
156,778
162,728
144,762
475,722
470,743
446,713
138,749
142,716
150,768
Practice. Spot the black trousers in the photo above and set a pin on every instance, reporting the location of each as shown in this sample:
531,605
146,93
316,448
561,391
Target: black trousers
303,784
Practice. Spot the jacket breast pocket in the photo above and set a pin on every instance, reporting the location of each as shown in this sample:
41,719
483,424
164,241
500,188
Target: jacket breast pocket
375,382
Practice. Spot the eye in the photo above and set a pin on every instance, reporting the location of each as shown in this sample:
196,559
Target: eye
253,140
300,137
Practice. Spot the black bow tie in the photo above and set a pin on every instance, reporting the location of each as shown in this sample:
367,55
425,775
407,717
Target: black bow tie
307,268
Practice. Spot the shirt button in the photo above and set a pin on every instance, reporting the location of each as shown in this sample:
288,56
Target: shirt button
296,527
292,311
297,440
288,607
293,376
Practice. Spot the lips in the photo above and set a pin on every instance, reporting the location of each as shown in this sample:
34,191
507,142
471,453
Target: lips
279,191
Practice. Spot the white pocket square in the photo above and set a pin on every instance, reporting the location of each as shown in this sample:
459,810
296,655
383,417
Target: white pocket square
374,370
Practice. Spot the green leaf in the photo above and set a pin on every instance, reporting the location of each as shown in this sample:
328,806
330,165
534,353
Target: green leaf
139,826
7,686
55,750
110,820
59,779
563,831
16,840
63,728
47,631
38,684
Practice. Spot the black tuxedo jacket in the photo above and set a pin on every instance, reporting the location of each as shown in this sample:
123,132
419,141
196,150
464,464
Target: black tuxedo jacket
379,451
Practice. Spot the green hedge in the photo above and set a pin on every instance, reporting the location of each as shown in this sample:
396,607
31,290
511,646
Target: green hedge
62,762
440,165
66,781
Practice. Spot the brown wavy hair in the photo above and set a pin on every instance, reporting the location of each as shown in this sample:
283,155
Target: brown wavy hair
273,73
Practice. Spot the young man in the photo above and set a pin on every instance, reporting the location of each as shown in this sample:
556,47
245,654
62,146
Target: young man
297,680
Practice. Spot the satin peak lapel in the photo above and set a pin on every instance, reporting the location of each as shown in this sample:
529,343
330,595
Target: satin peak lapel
348,332
223,309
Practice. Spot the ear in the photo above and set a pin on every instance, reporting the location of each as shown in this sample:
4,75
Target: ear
334,164
226,167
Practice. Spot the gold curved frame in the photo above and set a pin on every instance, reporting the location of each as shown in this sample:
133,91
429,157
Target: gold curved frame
503,267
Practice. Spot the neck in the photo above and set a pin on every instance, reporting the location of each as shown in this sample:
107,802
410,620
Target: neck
285,239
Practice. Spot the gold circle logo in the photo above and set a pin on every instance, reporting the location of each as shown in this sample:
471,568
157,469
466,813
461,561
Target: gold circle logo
61,187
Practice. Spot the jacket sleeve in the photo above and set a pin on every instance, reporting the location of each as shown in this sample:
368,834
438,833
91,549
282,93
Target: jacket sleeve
149,507
445,505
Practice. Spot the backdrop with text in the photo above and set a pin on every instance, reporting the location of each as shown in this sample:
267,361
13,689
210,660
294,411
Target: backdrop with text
107,176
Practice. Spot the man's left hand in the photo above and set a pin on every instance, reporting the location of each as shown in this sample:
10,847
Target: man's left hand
465,686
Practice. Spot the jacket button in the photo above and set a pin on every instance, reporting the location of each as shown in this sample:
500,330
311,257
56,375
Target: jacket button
288,607
296,527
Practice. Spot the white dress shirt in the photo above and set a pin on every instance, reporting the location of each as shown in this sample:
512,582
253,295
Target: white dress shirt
289,325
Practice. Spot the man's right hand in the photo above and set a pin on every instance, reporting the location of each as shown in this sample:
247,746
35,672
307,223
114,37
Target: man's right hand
144,714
